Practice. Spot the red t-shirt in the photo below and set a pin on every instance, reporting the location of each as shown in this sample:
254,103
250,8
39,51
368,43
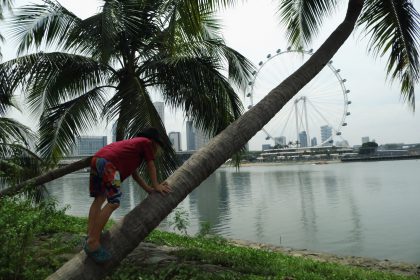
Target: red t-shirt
127,155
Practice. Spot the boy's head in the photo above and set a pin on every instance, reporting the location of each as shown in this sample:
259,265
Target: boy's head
152,134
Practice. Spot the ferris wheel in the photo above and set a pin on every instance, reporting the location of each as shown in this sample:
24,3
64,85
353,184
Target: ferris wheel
313,117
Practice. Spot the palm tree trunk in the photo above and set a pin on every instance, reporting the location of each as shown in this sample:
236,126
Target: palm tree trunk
137,224
47,177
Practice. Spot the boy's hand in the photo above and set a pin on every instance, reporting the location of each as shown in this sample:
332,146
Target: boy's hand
163,188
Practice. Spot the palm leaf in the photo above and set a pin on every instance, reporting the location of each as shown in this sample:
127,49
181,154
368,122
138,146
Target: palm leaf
18,163
394,30
303,18
60,125
6,94
38,24
52,78
13,131
181,79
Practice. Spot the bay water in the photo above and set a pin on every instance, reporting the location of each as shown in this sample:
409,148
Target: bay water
367,209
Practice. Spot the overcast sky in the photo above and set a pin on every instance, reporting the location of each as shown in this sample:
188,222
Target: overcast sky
253,29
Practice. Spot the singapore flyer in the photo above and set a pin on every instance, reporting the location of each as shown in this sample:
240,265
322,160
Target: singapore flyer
314,117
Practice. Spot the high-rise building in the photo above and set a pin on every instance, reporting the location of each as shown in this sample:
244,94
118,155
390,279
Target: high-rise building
190,136
326,133
314,142
365,139
280,140
114,132
175,138
303,139
88,145
160,108
196,138
265,147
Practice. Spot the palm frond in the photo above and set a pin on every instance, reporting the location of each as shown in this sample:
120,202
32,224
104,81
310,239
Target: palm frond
6,94
303,18
60,125
218,4
38,24
14,131
195,86
52,78
394,30
17,164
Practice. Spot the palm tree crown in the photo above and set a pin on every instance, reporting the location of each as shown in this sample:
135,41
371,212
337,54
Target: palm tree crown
109,64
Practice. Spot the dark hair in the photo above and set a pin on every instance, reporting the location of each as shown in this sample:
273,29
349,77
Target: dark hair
152,134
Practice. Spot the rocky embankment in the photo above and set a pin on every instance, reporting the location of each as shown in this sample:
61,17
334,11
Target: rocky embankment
152,254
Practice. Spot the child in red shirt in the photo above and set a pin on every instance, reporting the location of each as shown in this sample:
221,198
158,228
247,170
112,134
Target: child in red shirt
109,167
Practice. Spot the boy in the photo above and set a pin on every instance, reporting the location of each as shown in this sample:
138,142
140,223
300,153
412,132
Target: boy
110,166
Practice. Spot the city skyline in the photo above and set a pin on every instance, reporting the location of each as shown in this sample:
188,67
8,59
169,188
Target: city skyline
377,108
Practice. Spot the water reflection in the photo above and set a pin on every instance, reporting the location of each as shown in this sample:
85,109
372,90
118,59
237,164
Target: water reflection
350,209
211,200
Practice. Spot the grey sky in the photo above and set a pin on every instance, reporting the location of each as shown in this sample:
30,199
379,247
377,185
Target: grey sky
253,29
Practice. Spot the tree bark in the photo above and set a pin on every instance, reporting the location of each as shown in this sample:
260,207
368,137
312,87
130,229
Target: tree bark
47,177
137,224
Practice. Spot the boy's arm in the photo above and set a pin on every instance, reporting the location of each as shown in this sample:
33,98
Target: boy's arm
141,182
163,187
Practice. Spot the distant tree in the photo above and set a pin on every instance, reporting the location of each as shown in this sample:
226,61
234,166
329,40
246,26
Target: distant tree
368,148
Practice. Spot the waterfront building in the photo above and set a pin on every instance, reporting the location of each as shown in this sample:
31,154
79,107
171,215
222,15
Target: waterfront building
314,142
326,133
365,139
280,141
175,138
266,147
88,145
303,139
160,108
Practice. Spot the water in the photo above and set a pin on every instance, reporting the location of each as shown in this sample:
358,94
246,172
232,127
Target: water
369,209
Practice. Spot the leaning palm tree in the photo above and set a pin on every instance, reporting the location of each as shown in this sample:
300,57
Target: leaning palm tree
108,65
135,226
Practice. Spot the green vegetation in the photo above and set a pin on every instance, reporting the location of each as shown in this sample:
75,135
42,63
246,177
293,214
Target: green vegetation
34,237
38,239
368,148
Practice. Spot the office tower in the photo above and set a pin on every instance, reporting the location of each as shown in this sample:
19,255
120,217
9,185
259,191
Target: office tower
365,139
280,141
303,139
114,132
190,136
314,142
175,138
326,133
265,147
160,108
196,138
88,145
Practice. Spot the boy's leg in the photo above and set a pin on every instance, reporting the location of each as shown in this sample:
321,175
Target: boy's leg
94,212
98,224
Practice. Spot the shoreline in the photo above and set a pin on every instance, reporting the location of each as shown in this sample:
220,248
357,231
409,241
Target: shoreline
314,162
386,265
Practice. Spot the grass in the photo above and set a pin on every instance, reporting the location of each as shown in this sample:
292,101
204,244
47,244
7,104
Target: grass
50,238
